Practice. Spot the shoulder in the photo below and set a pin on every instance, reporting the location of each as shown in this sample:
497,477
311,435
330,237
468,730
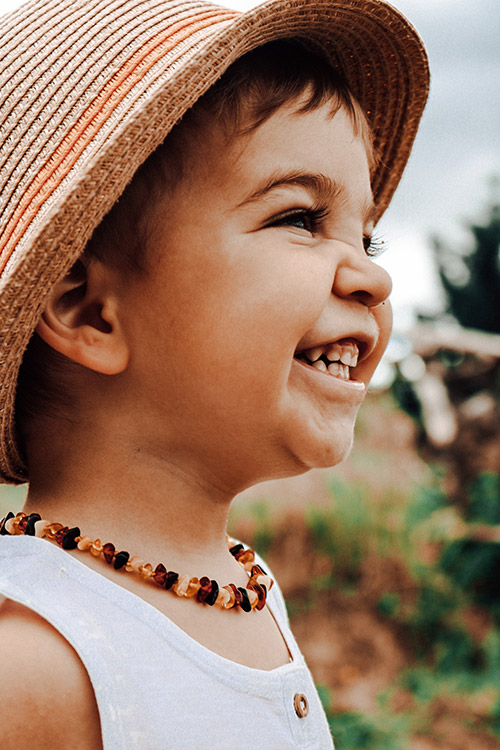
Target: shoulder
47,698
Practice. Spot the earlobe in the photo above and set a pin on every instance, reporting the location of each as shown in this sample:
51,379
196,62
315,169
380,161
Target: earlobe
81,320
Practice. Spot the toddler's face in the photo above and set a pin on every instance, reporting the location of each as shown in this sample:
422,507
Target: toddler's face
260,269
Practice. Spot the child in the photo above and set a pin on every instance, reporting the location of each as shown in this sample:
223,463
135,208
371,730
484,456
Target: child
188,202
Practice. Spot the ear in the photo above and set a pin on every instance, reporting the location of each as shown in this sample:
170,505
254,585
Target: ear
81,319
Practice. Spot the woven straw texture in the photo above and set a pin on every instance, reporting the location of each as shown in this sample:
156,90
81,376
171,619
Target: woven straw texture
89,88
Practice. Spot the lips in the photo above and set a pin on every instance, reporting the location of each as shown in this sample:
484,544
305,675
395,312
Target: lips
335,358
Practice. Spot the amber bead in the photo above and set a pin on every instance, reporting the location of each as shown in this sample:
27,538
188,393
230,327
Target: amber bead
134,564
146,570
108,552
264,581
10,526
258,570
261,594
181,585
170,579
245,556
160,574
30,524
40,527
237,595
223,598
69,539
205,589
21,524
59,537
85,543
193,587
3,530
214,592
245,601
232,598
52,529
121,558
96,548
253,598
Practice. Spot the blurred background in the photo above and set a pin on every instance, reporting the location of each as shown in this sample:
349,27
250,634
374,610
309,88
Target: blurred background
390,563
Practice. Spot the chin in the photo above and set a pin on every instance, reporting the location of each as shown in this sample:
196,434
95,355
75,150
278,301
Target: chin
325,451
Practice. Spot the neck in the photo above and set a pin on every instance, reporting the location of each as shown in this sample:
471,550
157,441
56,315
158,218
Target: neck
151,507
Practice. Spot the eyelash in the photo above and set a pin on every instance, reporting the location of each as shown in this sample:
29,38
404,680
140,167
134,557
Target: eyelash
312,219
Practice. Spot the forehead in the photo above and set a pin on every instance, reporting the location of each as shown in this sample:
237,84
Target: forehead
289,142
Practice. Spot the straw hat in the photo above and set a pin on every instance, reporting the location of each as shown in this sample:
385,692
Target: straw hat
89,88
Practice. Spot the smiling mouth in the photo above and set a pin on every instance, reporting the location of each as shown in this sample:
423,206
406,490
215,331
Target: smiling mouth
336,359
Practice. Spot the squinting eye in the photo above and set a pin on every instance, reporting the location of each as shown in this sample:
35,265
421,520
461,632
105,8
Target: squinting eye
373,246
300,221
309,219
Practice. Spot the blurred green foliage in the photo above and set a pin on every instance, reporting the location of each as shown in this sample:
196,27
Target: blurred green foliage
446,581
471,276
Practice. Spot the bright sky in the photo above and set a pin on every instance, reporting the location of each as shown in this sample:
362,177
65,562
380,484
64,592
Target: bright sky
458,146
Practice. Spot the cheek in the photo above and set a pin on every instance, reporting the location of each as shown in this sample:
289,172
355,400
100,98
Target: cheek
383,315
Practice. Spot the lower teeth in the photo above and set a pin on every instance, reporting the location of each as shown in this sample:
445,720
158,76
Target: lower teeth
339,370
336,369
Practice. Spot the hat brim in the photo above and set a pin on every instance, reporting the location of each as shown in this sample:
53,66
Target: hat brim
374,46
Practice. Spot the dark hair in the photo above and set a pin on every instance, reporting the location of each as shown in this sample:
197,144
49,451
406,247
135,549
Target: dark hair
250,91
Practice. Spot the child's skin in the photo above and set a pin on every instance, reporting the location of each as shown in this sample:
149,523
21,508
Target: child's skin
205,397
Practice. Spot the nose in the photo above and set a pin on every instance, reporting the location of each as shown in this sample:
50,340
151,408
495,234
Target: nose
359,278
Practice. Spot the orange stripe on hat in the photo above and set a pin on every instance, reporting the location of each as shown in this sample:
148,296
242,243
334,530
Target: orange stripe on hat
61,161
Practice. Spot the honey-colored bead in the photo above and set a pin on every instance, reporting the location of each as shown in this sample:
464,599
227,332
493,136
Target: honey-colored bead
11,526
133,564
181,585
96,548
193,588
146,570
264,581
85,543
232,599
223,598
40,527
253,598
246,556
52,529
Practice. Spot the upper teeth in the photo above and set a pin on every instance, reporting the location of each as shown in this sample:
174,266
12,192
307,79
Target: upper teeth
346,352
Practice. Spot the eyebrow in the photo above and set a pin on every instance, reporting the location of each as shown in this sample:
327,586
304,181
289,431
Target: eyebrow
320,185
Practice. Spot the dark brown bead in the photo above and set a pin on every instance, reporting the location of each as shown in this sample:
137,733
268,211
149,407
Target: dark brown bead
69,539
108,551
160,574
22,524
258,570
214,592
205,589
245,601
121,558
59,537
237,548
30,524
170,579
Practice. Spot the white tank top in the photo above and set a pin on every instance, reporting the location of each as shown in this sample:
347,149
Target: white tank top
157,688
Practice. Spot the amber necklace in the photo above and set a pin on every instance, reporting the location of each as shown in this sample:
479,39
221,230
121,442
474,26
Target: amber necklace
206,590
